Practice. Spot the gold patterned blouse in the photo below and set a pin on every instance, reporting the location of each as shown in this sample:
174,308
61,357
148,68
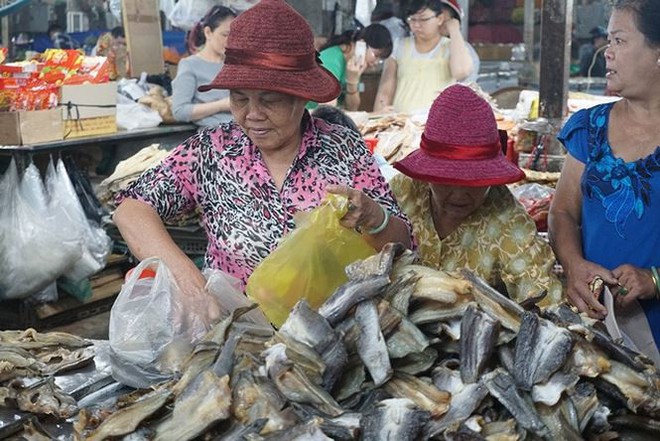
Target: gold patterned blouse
498,242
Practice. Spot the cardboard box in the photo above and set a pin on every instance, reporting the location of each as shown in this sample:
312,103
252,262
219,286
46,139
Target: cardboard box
89,109
20,128
75,128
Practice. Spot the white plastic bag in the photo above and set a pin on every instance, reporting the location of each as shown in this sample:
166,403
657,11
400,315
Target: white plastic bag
148,321
186,13
96,245
137,116
33,252
152,328
227,290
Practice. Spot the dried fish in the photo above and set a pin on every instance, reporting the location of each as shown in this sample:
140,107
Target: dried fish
478,337
205,401
126,420
541,349
394,419
371,346
501,385
31,339
348,295
424,394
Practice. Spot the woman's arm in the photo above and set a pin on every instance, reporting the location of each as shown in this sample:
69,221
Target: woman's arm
460,61
202,110
387,86
146,236
564,223
183,93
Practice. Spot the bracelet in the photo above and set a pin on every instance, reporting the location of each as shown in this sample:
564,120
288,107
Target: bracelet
383,225
656,281
352,93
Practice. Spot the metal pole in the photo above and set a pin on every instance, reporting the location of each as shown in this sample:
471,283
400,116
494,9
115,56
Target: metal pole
465,5
528,30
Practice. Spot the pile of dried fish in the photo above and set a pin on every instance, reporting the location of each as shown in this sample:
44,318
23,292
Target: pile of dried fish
398,135
400,352
28,362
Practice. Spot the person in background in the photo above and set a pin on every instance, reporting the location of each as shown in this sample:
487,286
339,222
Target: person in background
453,190
383,14
592,58
421,66
113,46
339,57
248,178
206,109
603,221
60,39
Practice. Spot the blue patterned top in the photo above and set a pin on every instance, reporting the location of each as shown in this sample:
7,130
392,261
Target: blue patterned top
620,200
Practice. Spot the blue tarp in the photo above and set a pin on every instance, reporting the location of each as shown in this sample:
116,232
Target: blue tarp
173,39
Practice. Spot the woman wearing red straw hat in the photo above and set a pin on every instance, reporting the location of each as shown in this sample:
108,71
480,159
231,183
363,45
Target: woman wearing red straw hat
249,177
421,66
462,213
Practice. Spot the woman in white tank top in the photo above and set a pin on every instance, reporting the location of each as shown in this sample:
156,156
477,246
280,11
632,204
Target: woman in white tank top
423,65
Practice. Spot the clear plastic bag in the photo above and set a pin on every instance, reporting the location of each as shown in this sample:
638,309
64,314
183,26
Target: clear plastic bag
137,116
153,328
186,13
96,245
308,263
29,228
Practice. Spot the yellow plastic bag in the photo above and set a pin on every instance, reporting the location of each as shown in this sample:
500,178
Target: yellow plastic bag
308,263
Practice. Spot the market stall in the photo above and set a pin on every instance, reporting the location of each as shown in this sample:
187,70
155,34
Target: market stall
448,355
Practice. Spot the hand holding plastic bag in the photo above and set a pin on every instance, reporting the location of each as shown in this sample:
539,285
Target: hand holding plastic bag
153,326
309,262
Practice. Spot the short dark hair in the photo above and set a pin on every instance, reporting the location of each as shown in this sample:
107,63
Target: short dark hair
375,35
117,32
54,28
334,115
647,17
418,5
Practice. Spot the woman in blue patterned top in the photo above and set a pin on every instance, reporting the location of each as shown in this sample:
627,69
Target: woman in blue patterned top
605,219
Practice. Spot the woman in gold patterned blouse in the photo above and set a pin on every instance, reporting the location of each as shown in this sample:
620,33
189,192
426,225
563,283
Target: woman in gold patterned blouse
463,215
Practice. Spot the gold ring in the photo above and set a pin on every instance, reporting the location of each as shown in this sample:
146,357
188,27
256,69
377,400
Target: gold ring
623,291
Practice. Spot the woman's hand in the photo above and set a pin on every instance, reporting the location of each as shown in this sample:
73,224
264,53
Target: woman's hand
634,284
363,212
450,27
580,277
195,297
354,68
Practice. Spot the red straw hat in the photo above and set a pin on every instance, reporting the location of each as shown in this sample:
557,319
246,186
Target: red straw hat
271,47
455,6
460,144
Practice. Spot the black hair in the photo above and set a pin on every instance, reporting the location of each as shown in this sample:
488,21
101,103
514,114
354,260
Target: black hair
216,15
382,11
647,17
375,35
54,28
418,5
334,115
117,32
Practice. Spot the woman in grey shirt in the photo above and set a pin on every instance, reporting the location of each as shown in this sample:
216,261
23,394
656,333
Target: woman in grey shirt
188,104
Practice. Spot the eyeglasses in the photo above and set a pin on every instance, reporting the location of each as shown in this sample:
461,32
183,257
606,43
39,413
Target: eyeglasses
413,20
